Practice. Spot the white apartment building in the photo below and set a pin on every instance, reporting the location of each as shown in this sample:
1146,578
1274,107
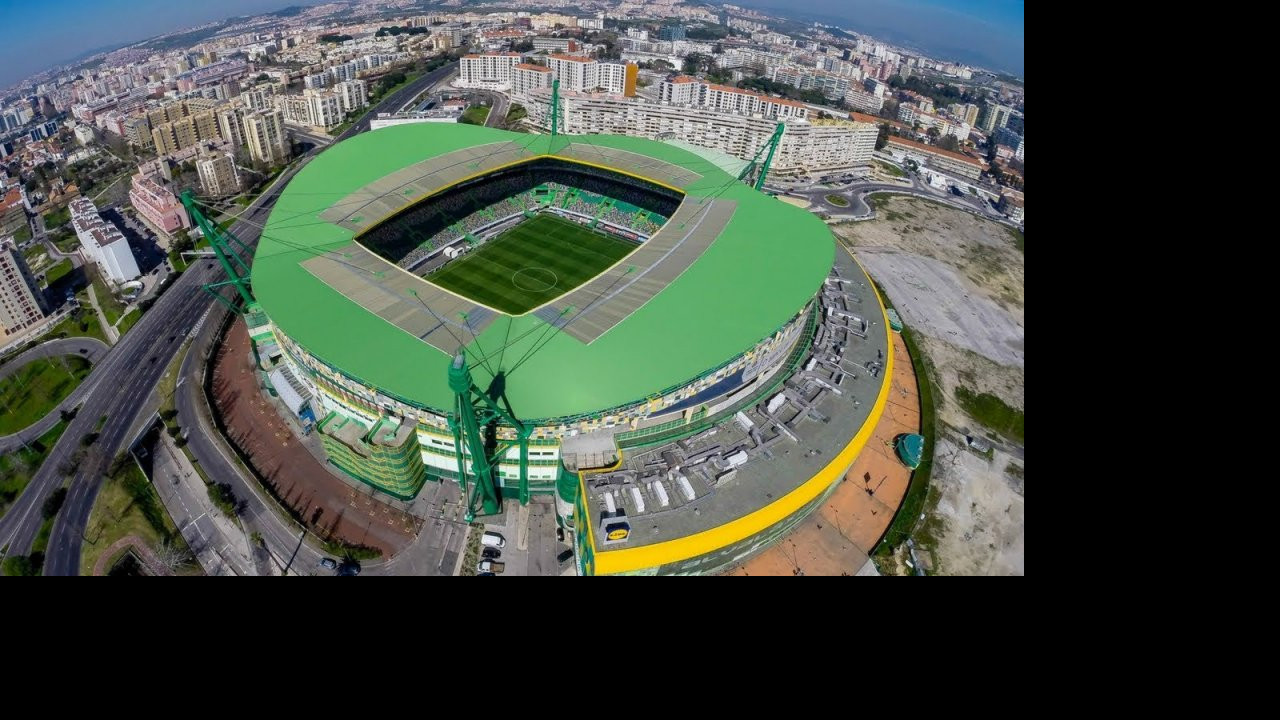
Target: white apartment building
490,71
685,90
352,95
863,101
102,242
527,77
576,74
805,147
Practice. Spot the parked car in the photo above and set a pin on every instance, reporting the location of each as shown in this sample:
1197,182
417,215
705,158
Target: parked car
493,539
349,567
491,553
329,564
564,557
490,566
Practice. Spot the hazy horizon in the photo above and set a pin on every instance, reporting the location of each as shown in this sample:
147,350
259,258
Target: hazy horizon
980,32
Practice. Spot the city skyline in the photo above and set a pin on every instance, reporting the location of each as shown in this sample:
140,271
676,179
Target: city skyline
988,33
70,29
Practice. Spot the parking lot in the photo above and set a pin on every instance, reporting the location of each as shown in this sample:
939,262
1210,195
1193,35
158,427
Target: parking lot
530,534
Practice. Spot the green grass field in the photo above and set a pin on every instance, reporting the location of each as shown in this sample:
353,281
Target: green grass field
536,261
35,390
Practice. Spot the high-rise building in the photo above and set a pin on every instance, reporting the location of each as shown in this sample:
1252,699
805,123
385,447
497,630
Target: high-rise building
994,117
805,147
137,130
218,174
490,71
264,134
352,95
671,32
231,125
527,77
183,133
576,74
21,302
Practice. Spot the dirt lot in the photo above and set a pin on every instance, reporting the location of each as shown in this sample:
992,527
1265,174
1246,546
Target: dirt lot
330,506
958,281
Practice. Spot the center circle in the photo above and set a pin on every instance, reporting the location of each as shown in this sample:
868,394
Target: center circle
535,279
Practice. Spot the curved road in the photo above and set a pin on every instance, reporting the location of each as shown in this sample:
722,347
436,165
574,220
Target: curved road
134,366
90,349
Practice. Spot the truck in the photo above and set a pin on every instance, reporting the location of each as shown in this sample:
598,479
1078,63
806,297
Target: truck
492,566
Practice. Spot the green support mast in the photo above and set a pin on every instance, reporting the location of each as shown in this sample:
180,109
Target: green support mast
771,146
227,256
473,411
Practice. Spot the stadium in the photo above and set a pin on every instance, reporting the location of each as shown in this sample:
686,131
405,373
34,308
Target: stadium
432,297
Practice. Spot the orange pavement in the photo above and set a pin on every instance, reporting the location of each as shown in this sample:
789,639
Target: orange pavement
838,537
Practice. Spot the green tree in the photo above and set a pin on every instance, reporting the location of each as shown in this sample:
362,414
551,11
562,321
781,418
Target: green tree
53,503
949,142
19,566
882,139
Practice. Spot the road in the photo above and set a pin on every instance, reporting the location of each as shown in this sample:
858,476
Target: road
395,100
134,367
90,349
283,538
499,104
856,191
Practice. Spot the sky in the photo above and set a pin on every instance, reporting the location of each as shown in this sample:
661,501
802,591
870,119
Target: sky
37,35
989,33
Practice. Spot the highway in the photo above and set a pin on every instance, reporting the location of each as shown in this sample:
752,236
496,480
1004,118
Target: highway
118,387
395,100
132,370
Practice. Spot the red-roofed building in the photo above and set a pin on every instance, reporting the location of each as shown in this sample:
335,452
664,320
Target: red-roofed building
684,90
935,157
13,213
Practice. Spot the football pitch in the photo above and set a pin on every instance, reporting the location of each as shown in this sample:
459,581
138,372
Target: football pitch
540,259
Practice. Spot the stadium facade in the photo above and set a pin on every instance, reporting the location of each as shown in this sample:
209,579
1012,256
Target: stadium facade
717,304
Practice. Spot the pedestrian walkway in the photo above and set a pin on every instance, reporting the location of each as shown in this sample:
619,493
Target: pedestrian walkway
112,336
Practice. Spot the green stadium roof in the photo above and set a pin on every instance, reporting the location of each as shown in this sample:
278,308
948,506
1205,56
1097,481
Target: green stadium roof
767,263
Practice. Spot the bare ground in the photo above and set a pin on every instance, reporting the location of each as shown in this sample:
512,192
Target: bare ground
958,281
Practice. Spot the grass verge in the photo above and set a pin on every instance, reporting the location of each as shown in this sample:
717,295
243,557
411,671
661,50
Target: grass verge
37,388
992,412
18,467
112,309
918,490
127,505
892,170
475,115
129,321
55,273
837,200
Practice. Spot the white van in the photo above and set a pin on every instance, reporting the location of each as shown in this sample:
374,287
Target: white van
493,539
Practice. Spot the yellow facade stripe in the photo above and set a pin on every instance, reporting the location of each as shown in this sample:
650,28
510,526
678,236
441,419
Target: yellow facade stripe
671,551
